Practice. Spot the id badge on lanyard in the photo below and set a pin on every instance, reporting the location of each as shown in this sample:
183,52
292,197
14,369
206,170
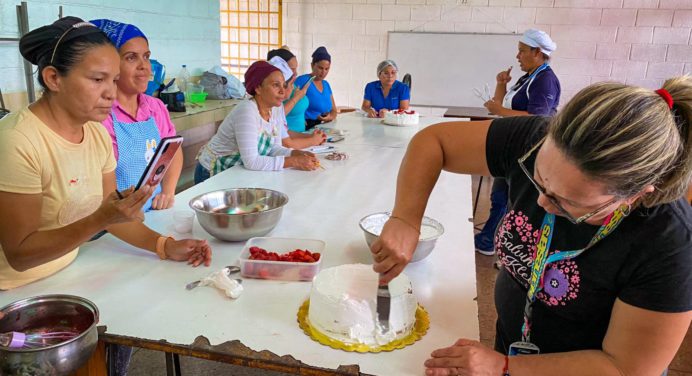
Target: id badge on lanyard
525,346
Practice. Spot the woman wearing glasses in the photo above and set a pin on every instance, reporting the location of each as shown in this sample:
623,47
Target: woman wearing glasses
387,93
596,248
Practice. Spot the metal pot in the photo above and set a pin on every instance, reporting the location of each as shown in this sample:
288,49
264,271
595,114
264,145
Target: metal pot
49,313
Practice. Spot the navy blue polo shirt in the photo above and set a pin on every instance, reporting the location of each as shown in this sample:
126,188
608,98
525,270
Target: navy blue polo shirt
398,92
543,94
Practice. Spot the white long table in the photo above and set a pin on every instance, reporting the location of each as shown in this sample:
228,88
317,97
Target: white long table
141,297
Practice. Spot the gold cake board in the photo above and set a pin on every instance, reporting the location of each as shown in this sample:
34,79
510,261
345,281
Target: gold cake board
419,329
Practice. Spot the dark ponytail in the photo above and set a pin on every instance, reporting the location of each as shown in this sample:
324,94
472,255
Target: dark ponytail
61,45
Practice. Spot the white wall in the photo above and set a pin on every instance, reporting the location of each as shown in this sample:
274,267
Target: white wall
640,42
179,31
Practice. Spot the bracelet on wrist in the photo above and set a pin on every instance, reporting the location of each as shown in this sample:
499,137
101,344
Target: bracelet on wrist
161,246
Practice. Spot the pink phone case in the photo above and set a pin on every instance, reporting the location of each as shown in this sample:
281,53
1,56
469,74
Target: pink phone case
163,156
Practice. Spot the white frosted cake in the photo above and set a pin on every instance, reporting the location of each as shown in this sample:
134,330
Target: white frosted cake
401,117
343,306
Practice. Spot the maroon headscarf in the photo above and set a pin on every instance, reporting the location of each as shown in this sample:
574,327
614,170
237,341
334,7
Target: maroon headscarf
258,71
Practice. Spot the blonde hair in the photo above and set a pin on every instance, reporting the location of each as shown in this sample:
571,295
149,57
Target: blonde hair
627,137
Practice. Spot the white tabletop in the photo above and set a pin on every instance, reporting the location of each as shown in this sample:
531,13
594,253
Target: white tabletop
141,297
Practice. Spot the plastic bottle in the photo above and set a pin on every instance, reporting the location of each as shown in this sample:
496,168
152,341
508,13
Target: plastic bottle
183,79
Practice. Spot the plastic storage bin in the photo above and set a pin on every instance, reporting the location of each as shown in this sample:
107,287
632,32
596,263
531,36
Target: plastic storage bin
281,270
198,97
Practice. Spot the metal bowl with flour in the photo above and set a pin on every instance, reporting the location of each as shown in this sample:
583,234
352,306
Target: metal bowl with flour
430,230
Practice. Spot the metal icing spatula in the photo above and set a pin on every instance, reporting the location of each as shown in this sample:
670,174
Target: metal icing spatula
383,300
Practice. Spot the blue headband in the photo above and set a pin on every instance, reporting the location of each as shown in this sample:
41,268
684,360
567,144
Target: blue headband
119,33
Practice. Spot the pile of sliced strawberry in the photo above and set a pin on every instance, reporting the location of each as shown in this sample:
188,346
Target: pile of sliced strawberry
299,255
399,112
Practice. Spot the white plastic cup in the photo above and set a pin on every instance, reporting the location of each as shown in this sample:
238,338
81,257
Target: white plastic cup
183,220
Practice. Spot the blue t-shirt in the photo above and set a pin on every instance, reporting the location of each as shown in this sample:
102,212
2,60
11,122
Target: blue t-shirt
374,94
296,118
320,101
543,94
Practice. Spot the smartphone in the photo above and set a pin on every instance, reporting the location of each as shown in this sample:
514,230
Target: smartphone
335,138
159,163
312,78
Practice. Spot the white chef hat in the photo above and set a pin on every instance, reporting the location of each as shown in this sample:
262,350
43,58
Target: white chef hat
283,67
539,39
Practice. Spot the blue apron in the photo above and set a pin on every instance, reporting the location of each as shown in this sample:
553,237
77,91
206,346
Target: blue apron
136,146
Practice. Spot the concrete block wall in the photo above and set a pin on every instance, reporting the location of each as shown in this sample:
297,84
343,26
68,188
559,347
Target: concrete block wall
639,42
179,31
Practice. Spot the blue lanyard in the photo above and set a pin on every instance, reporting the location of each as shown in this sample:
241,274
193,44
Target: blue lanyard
521,83
542,259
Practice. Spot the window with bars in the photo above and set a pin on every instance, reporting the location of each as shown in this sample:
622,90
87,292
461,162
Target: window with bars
249,29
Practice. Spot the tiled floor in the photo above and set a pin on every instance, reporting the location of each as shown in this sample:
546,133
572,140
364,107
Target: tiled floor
149,363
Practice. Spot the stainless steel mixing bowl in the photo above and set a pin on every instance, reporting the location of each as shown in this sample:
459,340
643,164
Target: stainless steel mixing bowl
49,313
238,214
430,230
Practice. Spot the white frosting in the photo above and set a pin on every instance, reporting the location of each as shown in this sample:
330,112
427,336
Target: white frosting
222,281
343,305
401,118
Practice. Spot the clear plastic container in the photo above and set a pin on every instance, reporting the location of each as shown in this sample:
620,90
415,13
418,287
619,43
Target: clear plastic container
282,270
183,79
195,88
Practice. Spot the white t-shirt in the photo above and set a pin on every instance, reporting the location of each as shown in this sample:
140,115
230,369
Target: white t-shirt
240,132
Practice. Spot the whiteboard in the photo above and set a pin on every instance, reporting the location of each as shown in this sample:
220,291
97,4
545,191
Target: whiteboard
445,67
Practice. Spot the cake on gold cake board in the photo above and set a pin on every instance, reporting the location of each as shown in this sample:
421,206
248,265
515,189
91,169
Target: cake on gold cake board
341,311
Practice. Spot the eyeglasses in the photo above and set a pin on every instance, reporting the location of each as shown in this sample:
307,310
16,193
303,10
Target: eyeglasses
552,199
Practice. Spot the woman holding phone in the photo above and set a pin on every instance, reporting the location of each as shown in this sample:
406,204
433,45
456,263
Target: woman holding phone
321,108
59,187
296,102
290,138
138,121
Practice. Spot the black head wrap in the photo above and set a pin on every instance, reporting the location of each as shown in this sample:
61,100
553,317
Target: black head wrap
321,54
40,44
282,53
